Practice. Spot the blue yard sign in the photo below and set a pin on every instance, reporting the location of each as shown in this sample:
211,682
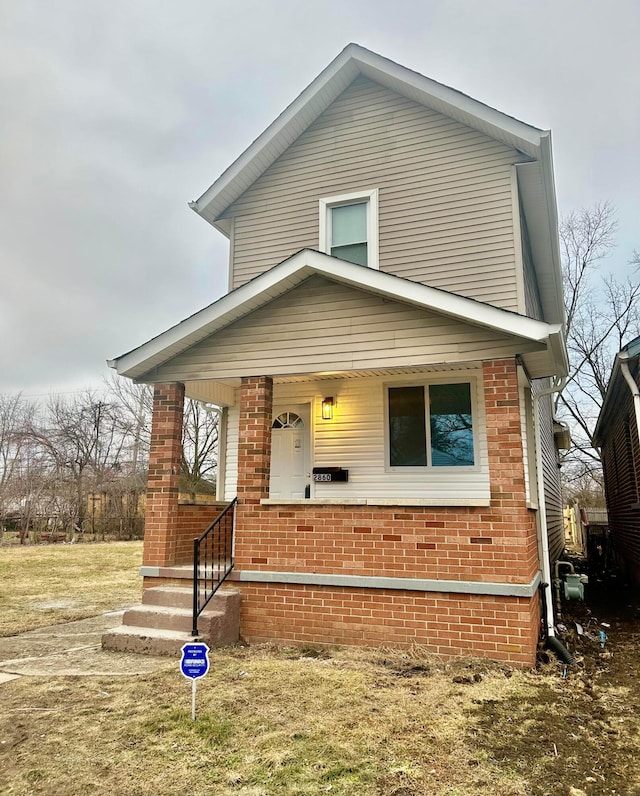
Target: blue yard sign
193,665
195,660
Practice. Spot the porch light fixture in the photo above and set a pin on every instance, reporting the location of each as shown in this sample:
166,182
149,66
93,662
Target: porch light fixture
327,408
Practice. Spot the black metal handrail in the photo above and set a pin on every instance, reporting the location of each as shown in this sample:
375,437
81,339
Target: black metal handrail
212,560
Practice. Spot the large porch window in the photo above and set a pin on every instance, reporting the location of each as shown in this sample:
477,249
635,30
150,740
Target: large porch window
431,425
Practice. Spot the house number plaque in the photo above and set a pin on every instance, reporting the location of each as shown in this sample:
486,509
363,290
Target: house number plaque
329,474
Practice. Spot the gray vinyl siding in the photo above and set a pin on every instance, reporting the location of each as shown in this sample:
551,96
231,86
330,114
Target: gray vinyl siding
445,195
551,474
323,326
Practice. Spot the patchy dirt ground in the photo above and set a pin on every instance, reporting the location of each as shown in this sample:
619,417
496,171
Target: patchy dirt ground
580,726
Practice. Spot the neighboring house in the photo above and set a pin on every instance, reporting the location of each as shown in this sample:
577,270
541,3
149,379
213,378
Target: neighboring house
617,435
394,318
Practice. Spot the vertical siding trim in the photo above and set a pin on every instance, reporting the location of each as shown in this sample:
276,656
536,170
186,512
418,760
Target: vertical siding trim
517,242
221,473
232,254
231,465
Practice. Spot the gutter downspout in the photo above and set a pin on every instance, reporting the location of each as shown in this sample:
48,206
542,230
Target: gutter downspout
545,562
624,367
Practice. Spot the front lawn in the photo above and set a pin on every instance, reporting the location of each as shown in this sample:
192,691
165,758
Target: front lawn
46,584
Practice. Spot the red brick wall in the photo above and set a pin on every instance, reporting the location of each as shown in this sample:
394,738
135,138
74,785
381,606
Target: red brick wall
448,543
193,520
494,543
161,515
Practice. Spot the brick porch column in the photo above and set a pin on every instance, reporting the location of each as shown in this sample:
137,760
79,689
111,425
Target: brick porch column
161,514
506,462
254,448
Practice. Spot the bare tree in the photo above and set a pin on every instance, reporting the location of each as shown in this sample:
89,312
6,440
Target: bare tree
199,447
199,436
84,442
79,463
602,314
134,408
15,420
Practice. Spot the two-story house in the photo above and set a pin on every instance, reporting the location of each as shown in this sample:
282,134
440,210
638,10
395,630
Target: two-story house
383,362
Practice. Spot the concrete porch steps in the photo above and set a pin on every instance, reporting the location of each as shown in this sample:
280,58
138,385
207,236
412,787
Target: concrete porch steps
161,625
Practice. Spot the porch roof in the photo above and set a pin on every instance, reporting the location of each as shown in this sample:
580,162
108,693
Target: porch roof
550,358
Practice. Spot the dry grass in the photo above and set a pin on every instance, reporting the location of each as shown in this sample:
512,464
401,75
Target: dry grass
287,722
45,584
270,721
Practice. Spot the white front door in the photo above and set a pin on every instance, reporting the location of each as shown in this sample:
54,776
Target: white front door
290,452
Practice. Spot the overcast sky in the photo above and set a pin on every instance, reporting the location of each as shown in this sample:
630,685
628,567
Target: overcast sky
114,114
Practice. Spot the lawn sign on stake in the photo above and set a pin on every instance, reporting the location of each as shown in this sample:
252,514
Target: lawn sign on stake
194,664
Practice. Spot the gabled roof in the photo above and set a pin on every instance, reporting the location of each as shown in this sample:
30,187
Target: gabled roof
535,179
291,272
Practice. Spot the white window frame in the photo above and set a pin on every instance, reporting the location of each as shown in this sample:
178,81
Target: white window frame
451,378
370,199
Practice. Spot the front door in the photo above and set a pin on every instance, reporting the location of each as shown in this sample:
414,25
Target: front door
290,452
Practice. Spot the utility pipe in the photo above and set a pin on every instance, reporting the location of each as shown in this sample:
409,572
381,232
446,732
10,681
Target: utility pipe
545,562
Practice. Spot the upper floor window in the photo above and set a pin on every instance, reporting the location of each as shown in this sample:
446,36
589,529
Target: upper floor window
349,227
431,425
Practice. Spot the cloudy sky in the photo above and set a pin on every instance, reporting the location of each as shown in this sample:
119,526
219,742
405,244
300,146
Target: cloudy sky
115,113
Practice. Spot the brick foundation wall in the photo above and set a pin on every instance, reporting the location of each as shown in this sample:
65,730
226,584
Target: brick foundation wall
447,543
501,628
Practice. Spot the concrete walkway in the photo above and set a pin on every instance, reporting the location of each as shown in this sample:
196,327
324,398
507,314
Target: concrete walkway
73,648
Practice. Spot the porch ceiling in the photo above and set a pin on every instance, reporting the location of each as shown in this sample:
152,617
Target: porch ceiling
222,393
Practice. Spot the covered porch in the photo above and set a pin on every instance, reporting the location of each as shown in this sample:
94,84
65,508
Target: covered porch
427,533
454,570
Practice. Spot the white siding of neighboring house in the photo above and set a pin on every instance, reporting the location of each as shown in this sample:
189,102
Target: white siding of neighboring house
356,440
322,326
445,195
